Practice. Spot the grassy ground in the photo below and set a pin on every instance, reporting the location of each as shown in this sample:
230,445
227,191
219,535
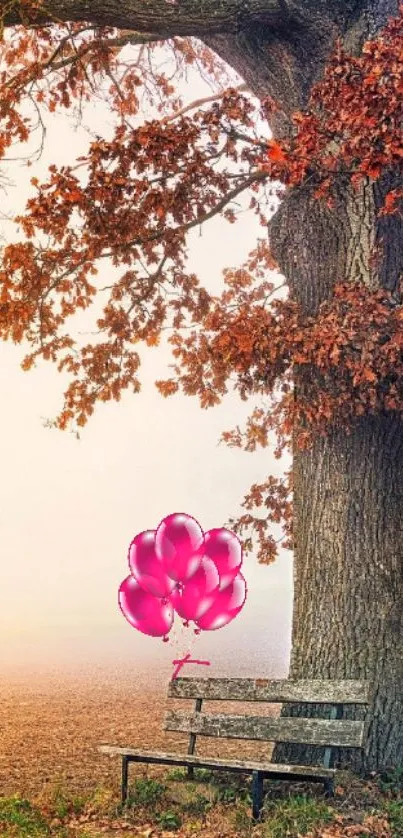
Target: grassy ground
214,805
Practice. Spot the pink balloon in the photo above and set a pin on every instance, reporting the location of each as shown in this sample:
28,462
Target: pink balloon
147,567
144,611
227,604
197,595
179,543
225,549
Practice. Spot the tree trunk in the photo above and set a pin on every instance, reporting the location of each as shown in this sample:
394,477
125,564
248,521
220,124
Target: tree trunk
348,577
348,489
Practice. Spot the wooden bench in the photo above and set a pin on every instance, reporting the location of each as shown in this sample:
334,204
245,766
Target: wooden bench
329,733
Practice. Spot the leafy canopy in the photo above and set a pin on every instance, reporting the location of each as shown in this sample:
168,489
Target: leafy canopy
132,199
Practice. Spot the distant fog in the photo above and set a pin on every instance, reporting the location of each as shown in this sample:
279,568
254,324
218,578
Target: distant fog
256,642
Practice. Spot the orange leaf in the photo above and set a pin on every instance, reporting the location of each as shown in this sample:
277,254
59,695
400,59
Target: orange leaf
276,153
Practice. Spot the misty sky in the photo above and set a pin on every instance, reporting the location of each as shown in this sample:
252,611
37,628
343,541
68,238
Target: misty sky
69,509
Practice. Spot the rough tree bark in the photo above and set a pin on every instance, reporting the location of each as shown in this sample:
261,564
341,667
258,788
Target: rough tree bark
348,565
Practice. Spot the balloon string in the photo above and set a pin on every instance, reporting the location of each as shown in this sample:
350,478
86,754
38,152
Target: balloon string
181,659
182,639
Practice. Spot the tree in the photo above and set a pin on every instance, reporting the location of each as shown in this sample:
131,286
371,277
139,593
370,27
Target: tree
329,79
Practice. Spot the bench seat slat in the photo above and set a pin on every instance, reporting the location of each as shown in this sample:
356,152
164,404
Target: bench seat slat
339,733
235,765
262,689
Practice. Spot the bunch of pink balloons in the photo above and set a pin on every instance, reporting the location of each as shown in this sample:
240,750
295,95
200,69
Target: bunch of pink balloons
178,567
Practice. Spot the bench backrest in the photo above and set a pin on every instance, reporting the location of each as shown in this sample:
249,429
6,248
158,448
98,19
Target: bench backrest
332,732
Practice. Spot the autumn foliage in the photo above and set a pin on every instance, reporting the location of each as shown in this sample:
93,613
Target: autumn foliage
353,124
133,199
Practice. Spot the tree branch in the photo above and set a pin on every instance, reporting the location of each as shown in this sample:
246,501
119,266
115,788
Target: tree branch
158,235
164,18
197,103
254,177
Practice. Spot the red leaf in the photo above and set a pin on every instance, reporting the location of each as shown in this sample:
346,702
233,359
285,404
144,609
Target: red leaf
276,153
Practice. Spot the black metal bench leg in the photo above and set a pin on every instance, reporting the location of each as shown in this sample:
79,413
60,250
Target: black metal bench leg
125,773
329,788
190,772
257,794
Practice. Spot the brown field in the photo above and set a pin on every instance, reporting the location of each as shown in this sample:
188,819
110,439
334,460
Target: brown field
51,725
